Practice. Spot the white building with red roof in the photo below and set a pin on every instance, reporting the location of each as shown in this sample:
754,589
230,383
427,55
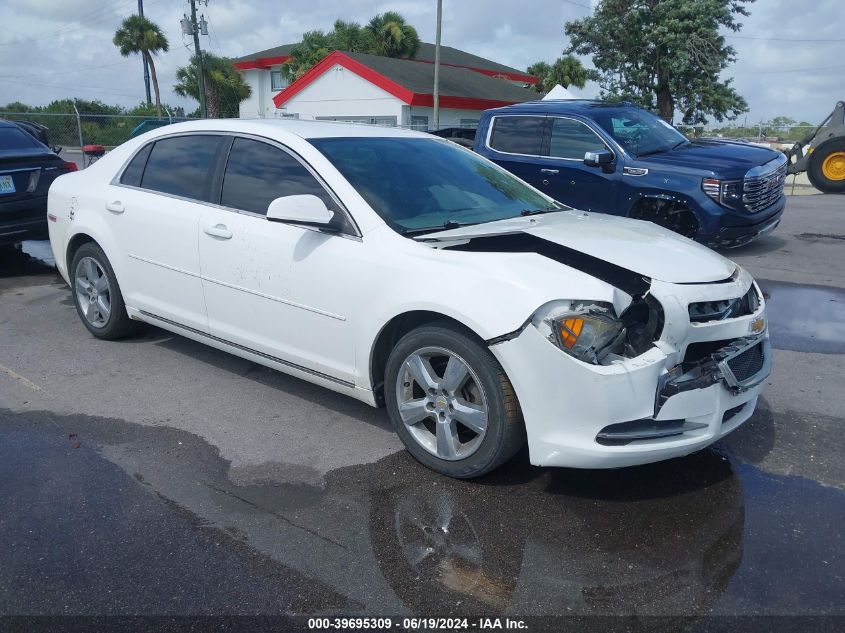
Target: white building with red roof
382,90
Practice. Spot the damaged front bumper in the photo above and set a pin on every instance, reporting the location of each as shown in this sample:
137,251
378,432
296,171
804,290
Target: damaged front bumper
656,406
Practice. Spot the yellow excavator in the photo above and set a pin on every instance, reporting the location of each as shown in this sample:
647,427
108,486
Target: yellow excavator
822,153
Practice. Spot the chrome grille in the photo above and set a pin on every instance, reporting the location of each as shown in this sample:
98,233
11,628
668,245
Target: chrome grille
760,192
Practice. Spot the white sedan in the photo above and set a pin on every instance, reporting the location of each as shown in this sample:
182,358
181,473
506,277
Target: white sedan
407,272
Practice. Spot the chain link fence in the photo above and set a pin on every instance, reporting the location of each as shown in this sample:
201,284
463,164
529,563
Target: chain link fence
759,133
71,132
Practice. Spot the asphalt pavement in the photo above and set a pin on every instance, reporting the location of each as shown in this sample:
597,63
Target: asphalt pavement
159,476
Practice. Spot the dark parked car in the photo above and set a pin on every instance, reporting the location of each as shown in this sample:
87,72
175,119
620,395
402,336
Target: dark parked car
27,168
617,158
39,131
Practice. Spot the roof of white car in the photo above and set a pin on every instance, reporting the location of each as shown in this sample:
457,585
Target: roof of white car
303,129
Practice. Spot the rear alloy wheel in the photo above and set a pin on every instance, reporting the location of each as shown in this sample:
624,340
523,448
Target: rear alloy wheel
96,294
451,403
826,169
669,214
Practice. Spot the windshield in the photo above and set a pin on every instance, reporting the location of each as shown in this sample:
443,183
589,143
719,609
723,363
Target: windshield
640,132
418,185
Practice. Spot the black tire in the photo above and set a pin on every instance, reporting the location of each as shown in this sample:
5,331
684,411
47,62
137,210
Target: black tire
505,429
815,171
118,324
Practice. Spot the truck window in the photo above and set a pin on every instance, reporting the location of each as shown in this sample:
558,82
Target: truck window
572,139
517,134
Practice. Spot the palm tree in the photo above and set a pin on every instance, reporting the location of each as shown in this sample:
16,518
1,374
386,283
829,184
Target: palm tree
348,36
391,36
224,86
315,45
136,35
566,71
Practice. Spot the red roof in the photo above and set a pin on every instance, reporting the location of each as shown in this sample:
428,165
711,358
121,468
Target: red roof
409,81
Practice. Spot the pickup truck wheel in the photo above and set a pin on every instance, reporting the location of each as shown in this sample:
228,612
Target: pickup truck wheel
669,214
451,403
826,168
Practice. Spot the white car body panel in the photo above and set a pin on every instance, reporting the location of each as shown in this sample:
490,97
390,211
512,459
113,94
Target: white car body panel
620,241
313,304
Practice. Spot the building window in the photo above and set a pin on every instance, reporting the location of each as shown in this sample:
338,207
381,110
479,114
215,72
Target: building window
276,81
471,124
419,123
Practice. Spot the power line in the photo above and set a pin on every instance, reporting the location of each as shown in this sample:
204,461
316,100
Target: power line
105,14
792,70
91,89
782,39
578,4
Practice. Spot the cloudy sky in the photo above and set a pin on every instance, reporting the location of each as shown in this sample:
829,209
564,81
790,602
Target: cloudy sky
791,53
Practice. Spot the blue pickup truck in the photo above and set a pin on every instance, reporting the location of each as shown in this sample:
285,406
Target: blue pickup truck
620,159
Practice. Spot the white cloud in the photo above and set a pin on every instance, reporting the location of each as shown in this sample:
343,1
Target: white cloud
50,50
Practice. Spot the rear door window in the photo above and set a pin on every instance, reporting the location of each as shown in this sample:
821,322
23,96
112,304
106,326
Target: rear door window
257,173
517,134
572,139
182,165
135,169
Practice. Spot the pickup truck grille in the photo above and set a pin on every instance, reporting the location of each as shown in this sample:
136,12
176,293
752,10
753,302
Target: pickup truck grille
762,191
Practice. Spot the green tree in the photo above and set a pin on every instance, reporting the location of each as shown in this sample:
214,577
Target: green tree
391,36
566,71
138,35
664,54
386,34
315,45
224,86
348,36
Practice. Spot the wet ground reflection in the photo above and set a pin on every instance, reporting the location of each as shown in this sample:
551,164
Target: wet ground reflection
805,318
704,534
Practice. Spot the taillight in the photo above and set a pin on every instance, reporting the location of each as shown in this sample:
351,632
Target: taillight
68,167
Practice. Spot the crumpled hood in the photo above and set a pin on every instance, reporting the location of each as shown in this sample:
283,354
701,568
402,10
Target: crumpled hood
638,246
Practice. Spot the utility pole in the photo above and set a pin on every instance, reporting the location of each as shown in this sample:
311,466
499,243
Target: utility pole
193,28
146,66
437,66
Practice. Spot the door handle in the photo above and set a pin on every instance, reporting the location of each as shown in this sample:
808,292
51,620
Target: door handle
115,206
218,230
549,171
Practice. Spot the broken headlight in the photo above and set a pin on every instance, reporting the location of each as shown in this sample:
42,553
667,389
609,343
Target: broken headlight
588,331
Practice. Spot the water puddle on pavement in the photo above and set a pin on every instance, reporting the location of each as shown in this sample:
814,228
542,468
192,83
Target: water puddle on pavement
33,258
706,534
805,318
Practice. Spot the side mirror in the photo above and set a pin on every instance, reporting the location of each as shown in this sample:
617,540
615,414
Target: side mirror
304,209
598,158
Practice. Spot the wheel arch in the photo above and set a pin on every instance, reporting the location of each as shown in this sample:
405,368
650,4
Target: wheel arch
393,330
643,200
73,245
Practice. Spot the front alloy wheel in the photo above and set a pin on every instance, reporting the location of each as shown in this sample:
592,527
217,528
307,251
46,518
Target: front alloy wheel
442,403
451,403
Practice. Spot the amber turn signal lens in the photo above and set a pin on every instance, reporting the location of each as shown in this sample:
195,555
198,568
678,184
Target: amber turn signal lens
570,330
